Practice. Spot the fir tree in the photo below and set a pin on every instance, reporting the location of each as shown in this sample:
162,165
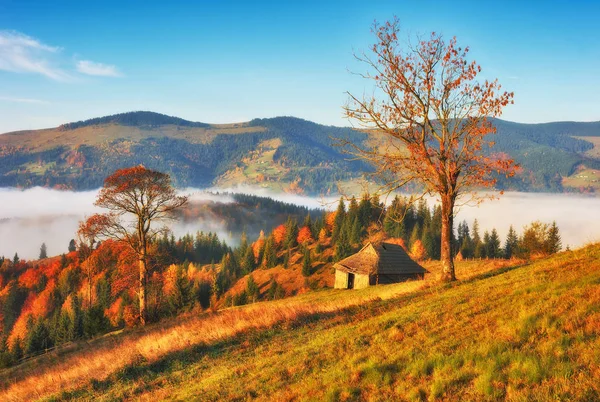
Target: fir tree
16,259
356,231
72,246
291,232
493,245
306,263
252,290
340,219
43,251
342,246
248,261
364,211
553,240
511,247
270,256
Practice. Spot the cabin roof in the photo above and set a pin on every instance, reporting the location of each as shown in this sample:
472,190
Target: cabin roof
383,259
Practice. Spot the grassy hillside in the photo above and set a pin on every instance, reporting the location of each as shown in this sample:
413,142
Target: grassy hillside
521,332
282,153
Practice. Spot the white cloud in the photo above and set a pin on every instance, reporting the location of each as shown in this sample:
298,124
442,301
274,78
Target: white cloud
92,68
22,100
22,54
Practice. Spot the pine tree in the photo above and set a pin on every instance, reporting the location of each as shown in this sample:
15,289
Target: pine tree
356,231
43,251
306,263
340,219
16,259
291,232
553,240
342,246
252,290
248,261
72,246
364,210
270,255
493,248
511,247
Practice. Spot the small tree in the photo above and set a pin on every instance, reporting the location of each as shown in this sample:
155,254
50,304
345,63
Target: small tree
136,198
436,116
306,263
43,251
511,248
72,246
553,240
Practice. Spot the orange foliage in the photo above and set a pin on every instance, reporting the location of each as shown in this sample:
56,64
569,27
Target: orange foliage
169,279
19,330
51,270
130,316
417,251
323,236
41,305
330,220
279,234
30,278
112,313
304,235
258,244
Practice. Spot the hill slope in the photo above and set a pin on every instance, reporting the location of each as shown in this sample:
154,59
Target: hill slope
283,153
519,333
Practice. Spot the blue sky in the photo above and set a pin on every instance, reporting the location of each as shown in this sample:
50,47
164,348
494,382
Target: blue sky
231,61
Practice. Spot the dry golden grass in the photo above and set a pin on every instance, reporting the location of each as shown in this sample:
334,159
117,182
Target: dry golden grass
47,374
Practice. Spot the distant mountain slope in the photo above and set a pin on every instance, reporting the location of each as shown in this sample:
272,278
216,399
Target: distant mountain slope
282,153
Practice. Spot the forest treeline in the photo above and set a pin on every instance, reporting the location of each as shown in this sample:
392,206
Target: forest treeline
87,292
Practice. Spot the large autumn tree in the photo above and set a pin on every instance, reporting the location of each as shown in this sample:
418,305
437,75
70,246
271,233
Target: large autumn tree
429,117
136,198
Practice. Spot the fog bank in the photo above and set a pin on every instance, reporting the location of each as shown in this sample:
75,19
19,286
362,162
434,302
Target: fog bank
30,217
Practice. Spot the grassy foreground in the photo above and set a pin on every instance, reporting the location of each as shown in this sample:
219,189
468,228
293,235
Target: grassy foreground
515,333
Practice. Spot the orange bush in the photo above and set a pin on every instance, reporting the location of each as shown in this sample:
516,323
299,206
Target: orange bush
304,235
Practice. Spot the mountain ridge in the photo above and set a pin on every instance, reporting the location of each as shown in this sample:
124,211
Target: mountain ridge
282,153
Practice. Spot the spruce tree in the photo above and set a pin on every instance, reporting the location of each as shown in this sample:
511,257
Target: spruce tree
72,246
291,232
306,263
553,240
512,243
364,210
252,290
342,246
270,255
356,231
248,261
340,219
493,249
43,251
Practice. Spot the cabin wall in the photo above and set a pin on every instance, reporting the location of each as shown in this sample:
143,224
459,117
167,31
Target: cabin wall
341,280
361,281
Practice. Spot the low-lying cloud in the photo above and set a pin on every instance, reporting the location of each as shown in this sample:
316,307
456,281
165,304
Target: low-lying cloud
30,217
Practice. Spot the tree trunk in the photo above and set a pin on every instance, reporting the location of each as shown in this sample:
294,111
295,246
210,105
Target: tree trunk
142,292
447,274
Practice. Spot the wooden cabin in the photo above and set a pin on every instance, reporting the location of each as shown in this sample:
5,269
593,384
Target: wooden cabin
376,265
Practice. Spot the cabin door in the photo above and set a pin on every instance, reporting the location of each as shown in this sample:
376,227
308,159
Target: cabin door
350,281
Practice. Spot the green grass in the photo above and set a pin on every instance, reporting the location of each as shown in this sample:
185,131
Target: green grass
524,334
